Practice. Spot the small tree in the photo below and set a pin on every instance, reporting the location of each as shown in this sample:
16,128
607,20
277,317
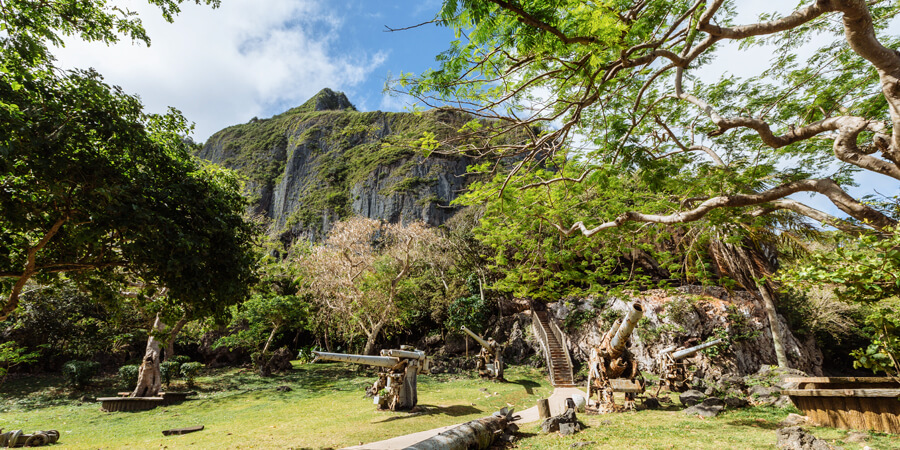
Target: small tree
355,276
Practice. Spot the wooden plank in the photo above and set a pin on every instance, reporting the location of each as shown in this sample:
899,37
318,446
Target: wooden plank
843,380
186,430
625,385
843,393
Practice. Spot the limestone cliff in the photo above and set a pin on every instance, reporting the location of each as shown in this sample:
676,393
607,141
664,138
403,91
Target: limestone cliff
686,317
324,160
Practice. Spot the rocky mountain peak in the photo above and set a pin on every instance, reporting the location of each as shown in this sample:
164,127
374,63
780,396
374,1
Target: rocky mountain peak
328,100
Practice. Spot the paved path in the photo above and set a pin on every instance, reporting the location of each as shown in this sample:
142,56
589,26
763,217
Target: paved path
557,406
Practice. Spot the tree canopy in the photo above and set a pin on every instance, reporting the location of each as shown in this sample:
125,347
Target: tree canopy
93,187
615,84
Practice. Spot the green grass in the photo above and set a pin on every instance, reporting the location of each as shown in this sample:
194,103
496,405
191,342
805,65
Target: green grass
327,409
669,428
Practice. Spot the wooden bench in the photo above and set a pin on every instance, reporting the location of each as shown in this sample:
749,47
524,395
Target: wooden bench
861,403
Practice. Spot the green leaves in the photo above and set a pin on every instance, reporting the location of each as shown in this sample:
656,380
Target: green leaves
863,269
92,186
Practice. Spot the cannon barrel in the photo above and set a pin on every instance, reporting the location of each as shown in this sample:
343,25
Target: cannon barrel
477,338
617,343
379,361
419,355
680,354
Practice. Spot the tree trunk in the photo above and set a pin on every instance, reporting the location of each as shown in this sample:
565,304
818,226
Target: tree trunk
372,338
271,338
774,325
170,341
327,341
149,377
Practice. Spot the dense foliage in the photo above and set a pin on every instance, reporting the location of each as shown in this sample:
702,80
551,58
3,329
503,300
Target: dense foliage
94,187
617,84
863,270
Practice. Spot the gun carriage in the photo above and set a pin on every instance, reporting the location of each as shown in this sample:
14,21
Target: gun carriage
612,367
672,366
395,388
490,359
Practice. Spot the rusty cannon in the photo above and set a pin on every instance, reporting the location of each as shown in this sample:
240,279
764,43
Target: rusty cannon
672,366
490,359
395,388
612,368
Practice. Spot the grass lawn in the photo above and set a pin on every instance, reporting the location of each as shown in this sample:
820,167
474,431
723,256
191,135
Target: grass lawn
669,428
326,408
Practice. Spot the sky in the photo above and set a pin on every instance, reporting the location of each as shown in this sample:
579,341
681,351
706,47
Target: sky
250,58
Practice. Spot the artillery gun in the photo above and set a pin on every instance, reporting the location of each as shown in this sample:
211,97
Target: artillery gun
490,359
672,366
612,368
395,388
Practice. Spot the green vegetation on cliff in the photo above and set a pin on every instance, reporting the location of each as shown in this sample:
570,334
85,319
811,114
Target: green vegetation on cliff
324,148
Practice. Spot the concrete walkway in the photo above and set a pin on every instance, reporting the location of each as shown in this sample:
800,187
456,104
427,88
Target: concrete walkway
557,406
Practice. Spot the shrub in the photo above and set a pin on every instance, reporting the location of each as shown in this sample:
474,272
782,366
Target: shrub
169,370
12,355
189,371
128,375
180,359
79,373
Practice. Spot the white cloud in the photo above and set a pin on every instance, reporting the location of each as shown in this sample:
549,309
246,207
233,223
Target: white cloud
227,65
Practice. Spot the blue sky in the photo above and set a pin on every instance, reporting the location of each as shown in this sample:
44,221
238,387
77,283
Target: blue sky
254,59
251,58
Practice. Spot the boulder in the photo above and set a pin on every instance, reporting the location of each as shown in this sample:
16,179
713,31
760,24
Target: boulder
783,402
703,410
691,397
566,423
736,402
763,391
857,437
793,420
796,438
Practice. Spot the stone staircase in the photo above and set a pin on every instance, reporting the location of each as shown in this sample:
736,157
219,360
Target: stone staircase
558,361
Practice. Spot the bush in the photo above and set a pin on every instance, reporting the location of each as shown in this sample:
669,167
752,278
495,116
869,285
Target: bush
128,375
180,359
79,373
169,370
12,355
189,371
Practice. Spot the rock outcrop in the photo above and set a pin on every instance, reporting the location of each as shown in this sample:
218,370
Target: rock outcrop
324,160
689,316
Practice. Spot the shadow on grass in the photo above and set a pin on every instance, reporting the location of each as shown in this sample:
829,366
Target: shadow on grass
527,384
432,410
30,391
755,423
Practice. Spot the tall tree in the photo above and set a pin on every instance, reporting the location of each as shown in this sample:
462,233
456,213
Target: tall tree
92,186
620,78
616,84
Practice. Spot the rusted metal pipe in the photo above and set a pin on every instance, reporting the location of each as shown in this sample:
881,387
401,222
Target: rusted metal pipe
617,343
680,354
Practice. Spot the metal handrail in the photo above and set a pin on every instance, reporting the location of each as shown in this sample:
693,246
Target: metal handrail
561,338
541,334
